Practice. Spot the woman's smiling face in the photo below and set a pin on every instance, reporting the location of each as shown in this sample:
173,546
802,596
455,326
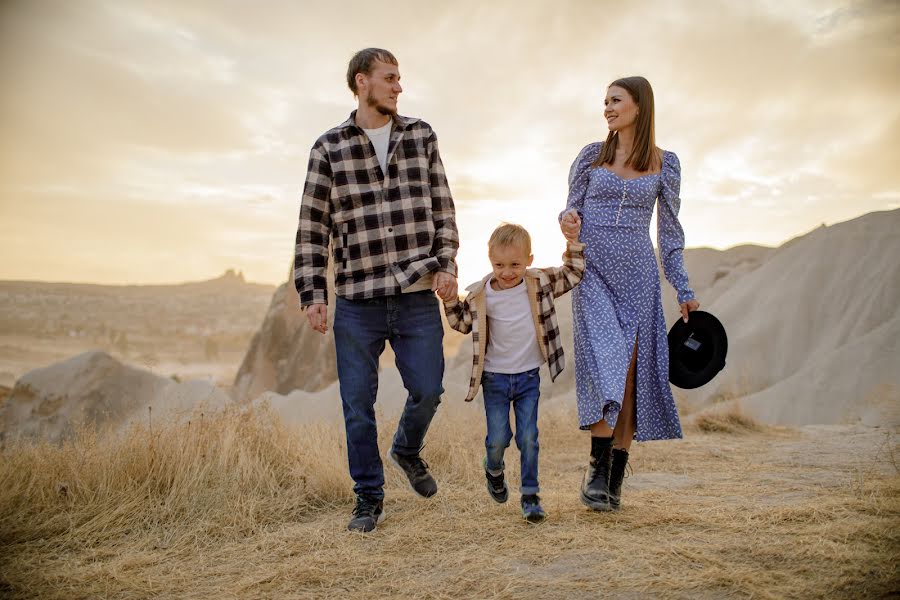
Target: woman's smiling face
621,110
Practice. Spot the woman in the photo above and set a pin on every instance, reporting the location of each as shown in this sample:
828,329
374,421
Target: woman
621,350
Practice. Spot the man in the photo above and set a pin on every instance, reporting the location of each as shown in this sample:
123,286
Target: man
376,188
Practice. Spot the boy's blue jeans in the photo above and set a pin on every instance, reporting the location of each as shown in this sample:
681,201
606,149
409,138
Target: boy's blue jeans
412,324
522,391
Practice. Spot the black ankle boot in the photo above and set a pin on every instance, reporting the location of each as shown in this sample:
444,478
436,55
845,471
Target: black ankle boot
595,487
616,475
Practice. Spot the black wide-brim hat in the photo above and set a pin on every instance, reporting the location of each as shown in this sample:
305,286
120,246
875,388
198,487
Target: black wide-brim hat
697,350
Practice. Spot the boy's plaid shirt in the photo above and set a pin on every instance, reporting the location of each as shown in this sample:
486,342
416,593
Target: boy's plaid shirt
543,286
386,233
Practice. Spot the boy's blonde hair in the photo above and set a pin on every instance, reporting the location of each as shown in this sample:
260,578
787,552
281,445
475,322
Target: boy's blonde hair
508,234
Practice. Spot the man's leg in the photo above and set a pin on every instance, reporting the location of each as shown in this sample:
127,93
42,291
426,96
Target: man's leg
360,329
416,336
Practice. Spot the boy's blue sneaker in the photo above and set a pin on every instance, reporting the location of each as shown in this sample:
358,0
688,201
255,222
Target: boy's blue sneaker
531,508
496,486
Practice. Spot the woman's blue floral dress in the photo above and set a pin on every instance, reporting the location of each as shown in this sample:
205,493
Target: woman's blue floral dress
618,301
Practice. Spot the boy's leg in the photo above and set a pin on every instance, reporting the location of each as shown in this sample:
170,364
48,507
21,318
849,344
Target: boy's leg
496,390
360,329
526,392
416,336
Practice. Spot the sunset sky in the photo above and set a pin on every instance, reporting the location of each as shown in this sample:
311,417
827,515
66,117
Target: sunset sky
156,141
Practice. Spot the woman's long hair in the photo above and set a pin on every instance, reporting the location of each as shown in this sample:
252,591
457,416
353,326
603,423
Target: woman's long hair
644,153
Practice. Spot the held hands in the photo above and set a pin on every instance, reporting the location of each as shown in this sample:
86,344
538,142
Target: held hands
445,285
317,317
570,225
688,307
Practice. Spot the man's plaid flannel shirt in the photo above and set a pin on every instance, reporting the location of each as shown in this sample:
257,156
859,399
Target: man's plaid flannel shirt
385,232
542,286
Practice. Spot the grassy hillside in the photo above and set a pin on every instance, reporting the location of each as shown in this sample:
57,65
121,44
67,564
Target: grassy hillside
237,505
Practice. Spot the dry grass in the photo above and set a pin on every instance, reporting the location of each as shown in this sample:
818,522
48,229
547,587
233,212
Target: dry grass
237,505
727,421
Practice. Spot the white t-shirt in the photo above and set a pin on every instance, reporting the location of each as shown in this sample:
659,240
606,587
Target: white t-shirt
380,138
512,343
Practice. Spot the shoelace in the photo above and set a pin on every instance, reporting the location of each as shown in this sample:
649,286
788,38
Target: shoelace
418,466
628,470
531,501
364,506
496,480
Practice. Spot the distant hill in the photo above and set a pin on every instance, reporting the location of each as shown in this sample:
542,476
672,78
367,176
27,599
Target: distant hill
175,326
230,279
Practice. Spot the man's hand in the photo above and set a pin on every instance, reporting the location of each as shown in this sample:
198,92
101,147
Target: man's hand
445,285
689,307
317,317
570,225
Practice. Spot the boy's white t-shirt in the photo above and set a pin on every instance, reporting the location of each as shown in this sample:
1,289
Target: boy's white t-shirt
380,138
512,343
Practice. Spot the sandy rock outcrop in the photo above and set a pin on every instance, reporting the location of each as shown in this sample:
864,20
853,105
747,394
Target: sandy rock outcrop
813,332
286,355
94,388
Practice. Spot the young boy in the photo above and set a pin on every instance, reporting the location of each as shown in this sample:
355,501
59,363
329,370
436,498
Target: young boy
514,331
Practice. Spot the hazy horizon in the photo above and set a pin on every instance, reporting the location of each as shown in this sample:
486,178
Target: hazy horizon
160,142
248,280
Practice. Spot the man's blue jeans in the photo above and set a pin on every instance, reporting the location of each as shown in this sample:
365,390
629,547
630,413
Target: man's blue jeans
522,390
412,324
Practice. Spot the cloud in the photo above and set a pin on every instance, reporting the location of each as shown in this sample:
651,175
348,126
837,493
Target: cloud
784,115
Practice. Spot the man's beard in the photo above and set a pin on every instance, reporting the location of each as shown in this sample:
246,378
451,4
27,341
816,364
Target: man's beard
380,108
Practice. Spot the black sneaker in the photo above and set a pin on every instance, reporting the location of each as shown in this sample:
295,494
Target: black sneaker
531,508
416,469
369,513
496,486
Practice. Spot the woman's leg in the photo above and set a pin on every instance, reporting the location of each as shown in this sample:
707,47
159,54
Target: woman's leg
595,487
601,429
600,489
627,422
623,435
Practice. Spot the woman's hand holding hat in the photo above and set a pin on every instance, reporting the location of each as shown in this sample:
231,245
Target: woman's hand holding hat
689,306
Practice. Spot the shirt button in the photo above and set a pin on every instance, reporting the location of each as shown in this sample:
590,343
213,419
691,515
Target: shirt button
390,229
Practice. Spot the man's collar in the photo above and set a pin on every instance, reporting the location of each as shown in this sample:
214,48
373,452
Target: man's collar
399,120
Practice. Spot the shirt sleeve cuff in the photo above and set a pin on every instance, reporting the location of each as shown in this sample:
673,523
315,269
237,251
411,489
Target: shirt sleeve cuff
447,266
313,297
